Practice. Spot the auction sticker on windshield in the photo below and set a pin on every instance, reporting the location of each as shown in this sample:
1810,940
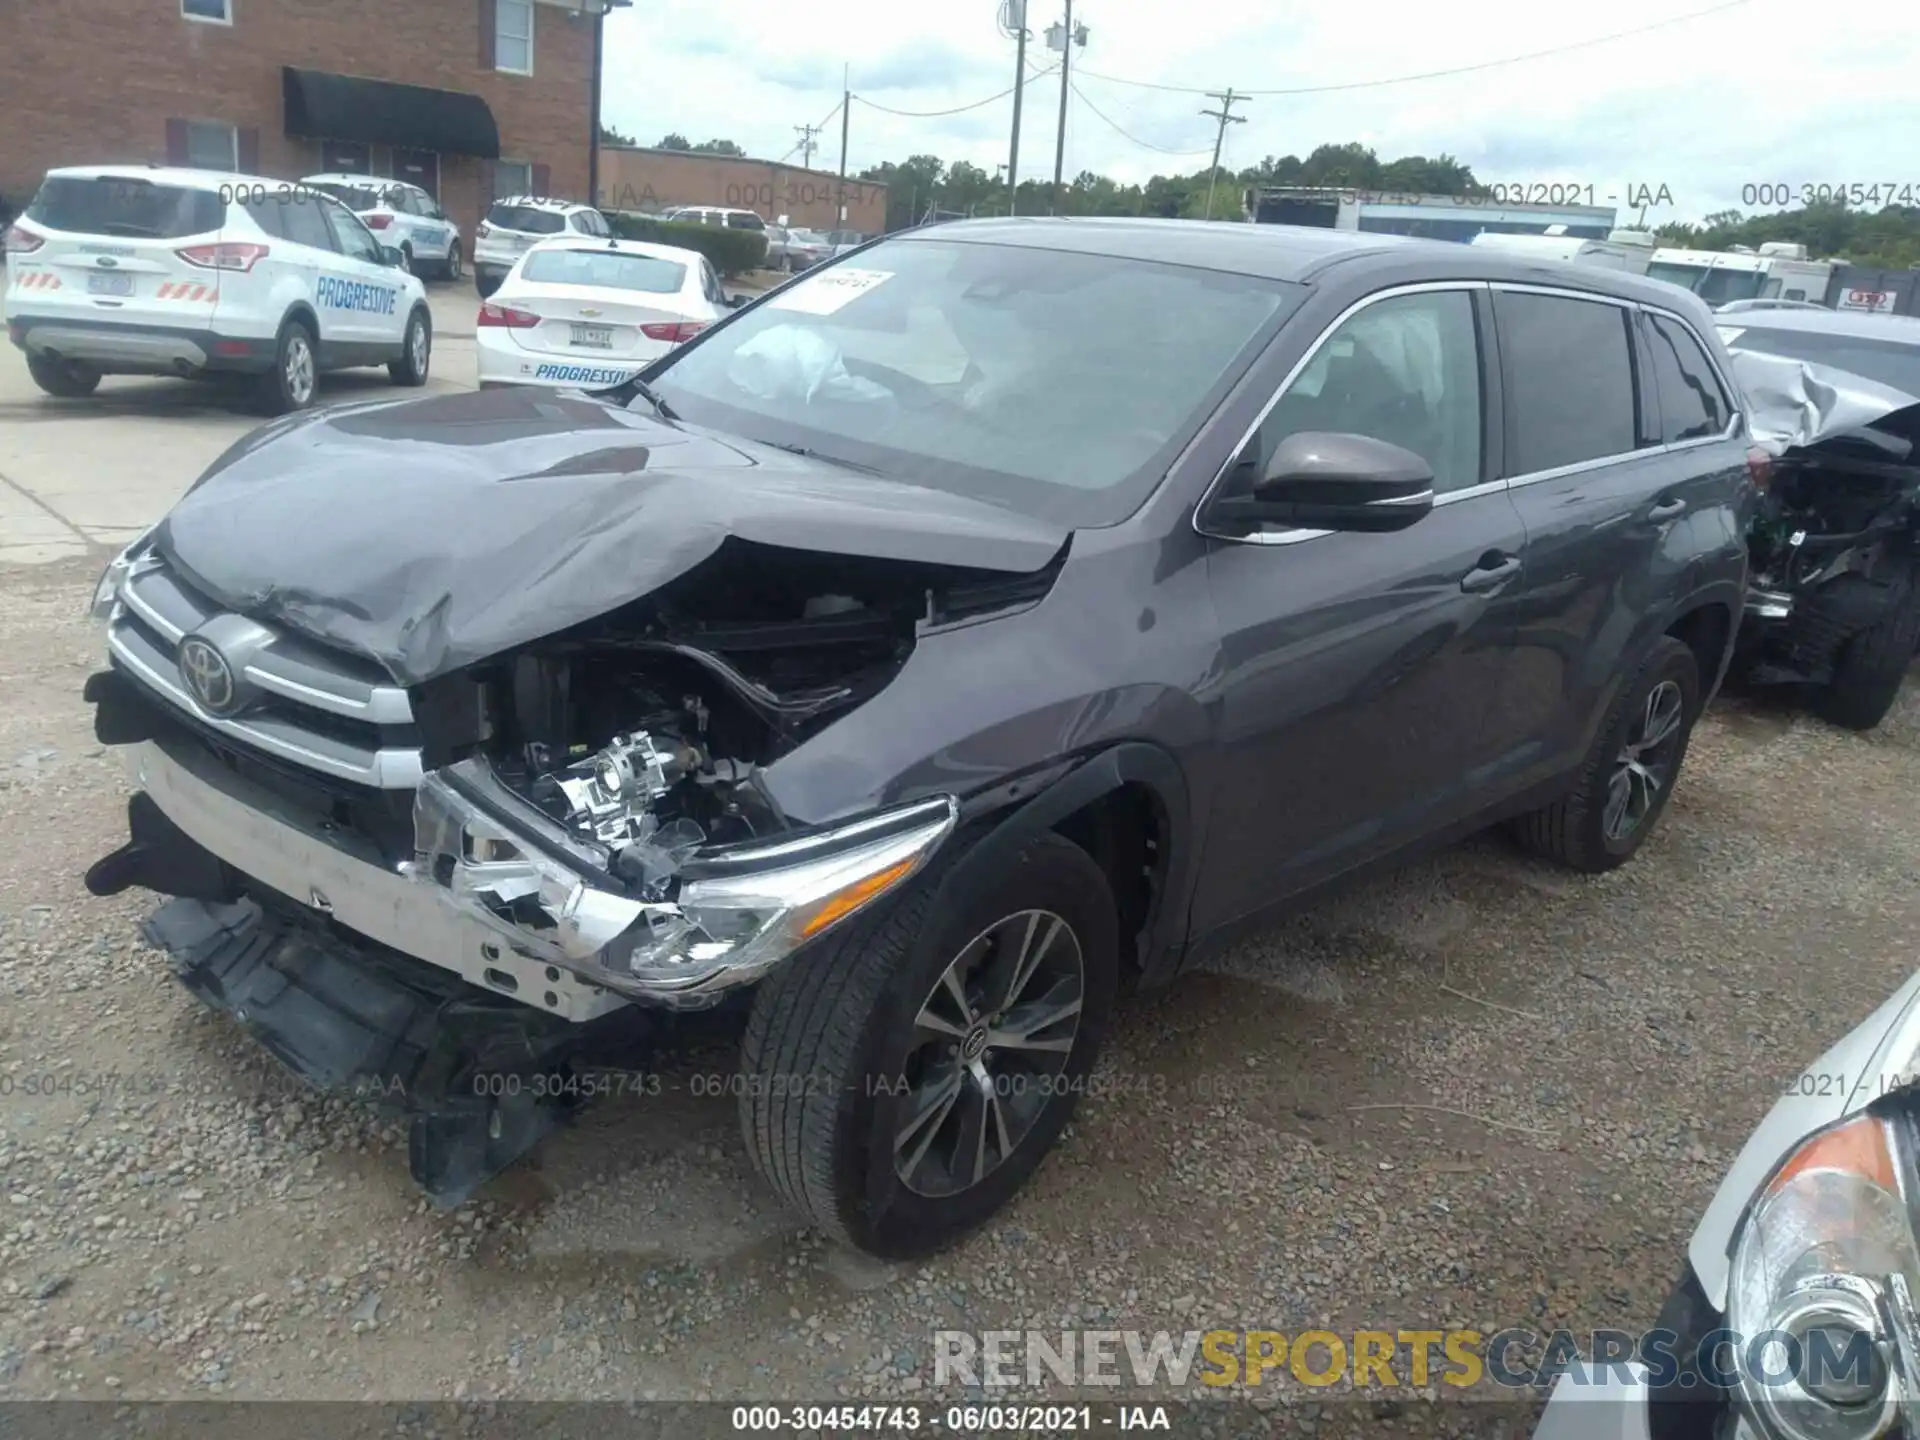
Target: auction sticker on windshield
824,294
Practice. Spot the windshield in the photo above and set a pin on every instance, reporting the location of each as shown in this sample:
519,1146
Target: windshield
608,269
1888,361
527,218
135,208
1057,384
1714,286
354,197
845,237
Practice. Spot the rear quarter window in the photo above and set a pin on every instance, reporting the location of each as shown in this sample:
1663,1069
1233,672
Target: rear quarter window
1568,371
1692,403
130,207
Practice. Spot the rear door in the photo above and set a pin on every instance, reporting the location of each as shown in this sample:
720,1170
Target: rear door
603,309
123,251
1601,492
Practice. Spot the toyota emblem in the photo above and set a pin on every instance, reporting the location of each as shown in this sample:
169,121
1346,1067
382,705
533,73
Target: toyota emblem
207,675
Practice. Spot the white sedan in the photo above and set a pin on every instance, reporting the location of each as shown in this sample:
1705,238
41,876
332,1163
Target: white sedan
594,313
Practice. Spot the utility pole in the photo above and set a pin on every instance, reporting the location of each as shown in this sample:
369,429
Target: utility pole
807,144
1069,37
1017,22
1224,114
846,110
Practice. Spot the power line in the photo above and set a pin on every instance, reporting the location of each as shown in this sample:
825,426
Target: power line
1124,134
801,130
1438,74
956,110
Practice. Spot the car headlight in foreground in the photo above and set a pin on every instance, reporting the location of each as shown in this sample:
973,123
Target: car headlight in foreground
712,921
1825,1268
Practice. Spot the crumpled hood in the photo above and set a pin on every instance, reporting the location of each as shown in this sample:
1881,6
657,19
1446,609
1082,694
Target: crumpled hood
430,534
1795,404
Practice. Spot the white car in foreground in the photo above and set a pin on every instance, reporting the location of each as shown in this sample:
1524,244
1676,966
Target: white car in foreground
1794,1317
594,313
139,270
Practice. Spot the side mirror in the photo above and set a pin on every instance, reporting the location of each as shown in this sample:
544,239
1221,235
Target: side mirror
391,257
734,302
1319,480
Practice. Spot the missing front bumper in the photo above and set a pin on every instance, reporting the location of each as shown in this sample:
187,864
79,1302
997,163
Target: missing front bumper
481,1079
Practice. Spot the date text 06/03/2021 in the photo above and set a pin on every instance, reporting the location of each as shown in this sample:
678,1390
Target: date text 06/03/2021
875,1419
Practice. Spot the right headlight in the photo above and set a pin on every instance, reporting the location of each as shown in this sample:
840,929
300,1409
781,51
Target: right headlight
1821,1291
106,591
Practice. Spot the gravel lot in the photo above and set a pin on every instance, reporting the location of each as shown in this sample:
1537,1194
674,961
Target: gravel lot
1477,1092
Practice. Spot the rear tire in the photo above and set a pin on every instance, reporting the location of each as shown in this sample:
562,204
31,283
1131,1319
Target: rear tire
64,379
1871,666
294,379
840,1051
417,356
454,262
1579,830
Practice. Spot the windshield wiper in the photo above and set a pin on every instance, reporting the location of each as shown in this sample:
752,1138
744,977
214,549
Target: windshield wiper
637,386
807,454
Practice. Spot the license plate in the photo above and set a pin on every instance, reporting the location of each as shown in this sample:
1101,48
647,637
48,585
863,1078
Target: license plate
98,284
594,337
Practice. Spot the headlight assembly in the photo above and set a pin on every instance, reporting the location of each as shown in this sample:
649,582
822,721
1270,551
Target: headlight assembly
731,915
106,591
1820,1295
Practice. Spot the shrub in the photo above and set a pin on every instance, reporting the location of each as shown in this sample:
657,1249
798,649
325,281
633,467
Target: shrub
733,252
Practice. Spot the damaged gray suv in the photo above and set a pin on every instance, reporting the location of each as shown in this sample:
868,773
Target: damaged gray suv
981,626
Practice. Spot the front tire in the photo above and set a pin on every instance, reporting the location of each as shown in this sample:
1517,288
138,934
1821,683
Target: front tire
454,262
416,355
295,377
1871,666
1630,772
63,379
863,1103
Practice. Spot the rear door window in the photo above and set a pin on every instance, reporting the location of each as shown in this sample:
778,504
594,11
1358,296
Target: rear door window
1568,370
126,206
1692,403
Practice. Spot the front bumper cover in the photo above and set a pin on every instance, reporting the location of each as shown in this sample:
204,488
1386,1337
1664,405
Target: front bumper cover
481,1079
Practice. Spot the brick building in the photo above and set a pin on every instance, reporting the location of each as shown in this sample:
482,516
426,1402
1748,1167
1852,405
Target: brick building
469,98
644,181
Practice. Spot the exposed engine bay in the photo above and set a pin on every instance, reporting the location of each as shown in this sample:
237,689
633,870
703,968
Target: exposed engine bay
1846,508
645,731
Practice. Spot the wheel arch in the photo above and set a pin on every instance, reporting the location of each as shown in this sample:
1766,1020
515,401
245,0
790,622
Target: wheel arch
1127,806
1707,627
303,312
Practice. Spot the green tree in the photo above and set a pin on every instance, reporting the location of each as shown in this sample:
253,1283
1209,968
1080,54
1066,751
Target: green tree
673,140
912,186
1352,164
611,136
716,147
966,187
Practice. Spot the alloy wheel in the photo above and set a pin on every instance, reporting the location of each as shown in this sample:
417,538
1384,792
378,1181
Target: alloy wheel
419,344
299,369
1644,767
453,262
990,1044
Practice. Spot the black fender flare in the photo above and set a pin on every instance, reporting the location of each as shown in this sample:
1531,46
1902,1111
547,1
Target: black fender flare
1012,814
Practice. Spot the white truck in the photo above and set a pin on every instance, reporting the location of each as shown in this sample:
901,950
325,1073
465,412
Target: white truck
1777,270
1617,252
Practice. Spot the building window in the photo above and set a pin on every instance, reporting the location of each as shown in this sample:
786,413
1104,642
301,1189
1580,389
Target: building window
512,179
212,146
513,36
217,12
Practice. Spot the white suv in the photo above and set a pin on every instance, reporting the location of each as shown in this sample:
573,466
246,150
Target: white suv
513,226
403,216
140,270
715,215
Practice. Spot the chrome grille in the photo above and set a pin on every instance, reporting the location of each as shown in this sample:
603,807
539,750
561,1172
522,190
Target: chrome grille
311,706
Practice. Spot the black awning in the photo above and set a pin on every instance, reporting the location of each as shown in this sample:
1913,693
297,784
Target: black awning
384,112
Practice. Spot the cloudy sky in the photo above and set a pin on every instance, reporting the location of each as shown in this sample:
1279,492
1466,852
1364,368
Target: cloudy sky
1702,107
